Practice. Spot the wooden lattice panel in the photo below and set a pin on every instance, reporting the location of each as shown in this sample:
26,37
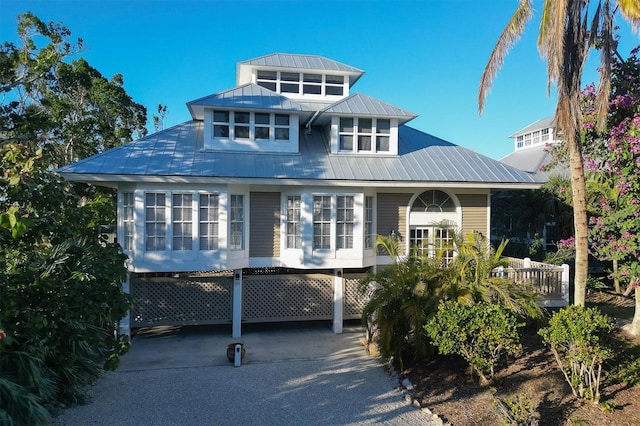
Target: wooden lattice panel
354,302
271,298
181,301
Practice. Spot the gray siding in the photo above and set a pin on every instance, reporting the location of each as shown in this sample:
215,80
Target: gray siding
264,229
392,215
474,213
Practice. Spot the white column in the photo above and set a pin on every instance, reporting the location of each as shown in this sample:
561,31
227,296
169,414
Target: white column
125,323
338,301
236,324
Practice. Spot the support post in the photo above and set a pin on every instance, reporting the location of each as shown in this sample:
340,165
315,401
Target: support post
236,322
338,301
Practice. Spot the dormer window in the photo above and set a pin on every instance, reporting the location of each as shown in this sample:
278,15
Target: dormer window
369,134
251,125
297,83
533,138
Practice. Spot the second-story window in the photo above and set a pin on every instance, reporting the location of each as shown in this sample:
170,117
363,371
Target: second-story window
346,134
301,83
544,135
367,134
258,126
365,127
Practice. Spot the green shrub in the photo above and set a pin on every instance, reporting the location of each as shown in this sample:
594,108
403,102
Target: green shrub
480,333
579,339
516,410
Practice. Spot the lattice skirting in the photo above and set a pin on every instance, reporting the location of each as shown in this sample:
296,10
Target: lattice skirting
181,301
354,302
196,300
272,298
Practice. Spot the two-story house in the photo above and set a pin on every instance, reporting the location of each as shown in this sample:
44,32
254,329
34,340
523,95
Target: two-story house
266,205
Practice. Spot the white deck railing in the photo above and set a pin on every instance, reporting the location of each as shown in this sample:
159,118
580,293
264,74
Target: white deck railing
551,281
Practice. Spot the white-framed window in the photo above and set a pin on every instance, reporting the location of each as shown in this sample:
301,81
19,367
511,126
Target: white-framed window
434,201
255,126
321,222
155,221
368,223
267,79
363,134
236,222
305,83
221,124
520,141
345,221
209,212
346,134
182,221
128,223
544,135
334,85
535,137
281,127
527,139
432,240
294,230
383,135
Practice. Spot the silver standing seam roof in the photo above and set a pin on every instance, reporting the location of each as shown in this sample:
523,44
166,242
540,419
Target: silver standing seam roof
176,155
303,62
543,123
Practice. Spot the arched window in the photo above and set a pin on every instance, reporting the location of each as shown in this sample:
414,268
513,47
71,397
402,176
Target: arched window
433,201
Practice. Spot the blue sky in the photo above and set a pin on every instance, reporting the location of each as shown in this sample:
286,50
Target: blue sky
424,56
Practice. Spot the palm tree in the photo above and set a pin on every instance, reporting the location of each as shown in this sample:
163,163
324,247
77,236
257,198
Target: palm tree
471,279
567,33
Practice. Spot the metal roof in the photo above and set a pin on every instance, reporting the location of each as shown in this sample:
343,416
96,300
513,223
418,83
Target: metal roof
302,63
544,123
176,154
532,160
248,96
310,62
359,104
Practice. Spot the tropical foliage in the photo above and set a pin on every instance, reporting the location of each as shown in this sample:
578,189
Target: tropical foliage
580,341
59,276
406,294
481,334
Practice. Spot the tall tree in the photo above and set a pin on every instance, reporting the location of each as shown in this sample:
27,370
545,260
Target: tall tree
60,281
568,31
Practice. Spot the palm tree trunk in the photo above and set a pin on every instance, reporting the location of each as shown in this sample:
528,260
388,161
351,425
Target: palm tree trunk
578,187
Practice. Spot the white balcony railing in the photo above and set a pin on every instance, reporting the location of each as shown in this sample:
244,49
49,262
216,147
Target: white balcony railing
551,281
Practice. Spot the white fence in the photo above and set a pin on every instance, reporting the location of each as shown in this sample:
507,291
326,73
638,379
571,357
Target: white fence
551,281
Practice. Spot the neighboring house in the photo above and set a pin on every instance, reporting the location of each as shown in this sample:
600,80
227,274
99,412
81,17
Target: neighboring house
531,218
531,147
266,205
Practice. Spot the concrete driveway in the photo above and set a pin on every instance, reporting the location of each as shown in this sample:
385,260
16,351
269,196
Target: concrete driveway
293,374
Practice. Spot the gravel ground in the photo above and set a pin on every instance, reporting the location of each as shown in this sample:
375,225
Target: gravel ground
344,391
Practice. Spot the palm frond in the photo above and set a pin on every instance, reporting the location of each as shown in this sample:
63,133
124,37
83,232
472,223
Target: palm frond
510,35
